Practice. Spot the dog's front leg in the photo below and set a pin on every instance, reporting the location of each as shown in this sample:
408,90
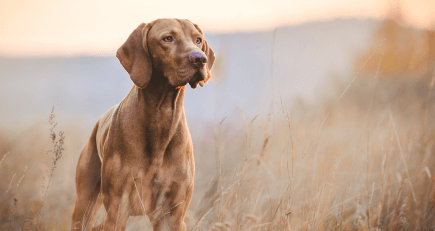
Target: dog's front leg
118,212
169,222
115,190
171,209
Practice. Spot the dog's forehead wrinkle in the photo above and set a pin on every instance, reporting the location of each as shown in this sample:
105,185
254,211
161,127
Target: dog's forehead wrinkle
188,28
177,27
169,32
178,20
165,25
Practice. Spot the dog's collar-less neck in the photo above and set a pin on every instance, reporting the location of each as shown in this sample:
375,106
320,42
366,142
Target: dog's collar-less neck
161,95
157,101
174,94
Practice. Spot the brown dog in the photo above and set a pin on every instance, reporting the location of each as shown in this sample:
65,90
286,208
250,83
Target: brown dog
139,158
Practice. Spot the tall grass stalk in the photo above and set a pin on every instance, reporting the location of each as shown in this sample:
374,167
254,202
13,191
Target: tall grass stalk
57,150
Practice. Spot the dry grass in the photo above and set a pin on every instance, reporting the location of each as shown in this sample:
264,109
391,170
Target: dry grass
352,164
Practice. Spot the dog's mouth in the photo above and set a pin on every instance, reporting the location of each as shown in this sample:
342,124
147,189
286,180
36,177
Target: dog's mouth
194,76
199,78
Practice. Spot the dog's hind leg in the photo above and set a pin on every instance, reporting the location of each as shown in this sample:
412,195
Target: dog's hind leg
88,182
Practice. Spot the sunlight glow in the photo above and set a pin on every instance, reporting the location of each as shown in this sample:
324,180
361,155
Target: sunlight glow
84,27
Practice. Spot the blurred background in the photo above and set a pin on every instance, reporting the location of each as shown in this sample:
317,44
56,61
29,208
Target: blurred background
319,114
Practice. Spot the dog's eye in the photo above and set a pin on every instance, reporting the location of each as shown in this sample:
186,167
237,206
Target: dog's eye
168,39
198,41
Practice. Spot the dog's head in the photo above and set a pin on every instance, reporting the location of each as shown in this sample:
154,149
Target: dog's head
174,48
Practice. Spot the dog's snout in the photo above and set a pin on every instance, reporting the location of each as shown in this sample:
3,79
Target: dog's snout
198,58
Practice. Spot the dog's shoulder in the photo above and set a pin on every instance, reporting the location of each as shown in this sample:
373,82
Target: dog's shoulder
104,125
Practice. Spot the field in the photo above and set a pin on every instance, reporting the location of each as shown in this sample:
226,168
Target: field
360,156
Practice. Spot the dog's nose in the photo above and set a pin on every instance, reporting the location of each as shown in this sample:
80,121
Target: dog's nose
198,58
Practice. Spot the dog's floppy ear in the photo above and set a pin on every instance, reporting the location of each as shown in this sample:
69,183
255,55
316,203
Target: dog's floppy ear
210,58
208,52
134,56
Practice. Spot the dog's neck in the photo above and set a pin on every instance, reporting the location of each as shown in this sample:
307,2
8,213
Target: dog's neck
158,101
161,96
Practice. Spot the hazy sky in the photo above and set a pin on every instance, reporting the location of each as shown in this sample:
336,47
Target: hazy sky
97,27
